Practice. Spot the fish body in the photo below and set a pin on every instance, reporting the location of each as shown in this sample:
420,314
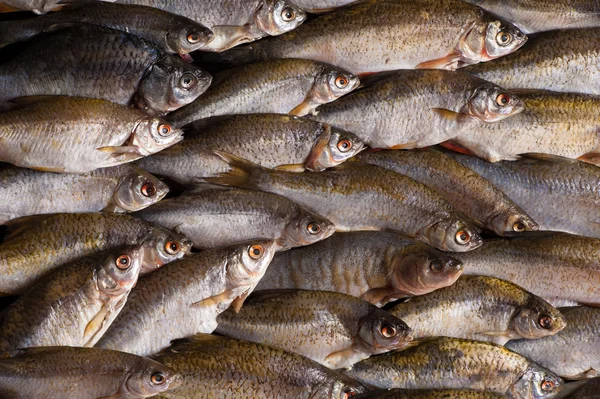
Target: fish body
468,192
481,308
36,6
375,266
213,366
219,217
319,6
278,86
457,363
336,330
430,394
186,298
86,134
74,305
123,188
39,244
270,140
441,105
572,352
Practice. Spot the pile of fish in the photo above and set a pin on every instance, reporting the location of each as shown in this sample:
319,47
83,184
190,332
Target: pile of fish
300,199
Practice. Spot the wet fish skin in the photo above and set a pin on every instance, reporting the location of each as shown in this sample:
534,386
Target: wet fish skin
375,266
375,36
74,305
533,16
449,101
429,394
213,366
271,140
278,86
468,192
174,34
320,6
218,217
573,260
416,211
80,373
561,124
457,363
42,243
336,330
36,6
481,308
572,352
590,390
185,297
570,190
564,61
89,134
123,188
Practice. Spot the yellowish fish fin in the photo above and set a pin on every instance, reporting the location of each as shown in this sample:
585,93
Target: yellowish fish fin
451,115
303,108
243,173
548,157
495,333
377,296
296,168
452,146
405,146
334,359
53,170
94,326
118,149
213,300
238,302
592,157
449,62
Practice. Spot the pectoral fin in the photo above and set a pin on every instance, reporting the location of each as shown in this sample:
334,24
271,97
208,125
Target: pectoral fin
336,360
213,300
228,36
405,146
452,146
592,157
377,296
296,168
94,326
449,62
115,150
237,303
303,108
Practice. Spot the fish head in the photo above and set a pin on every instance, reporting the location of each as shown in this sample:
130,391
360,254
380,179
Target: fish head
491,103
513,221
453,236
536,383
537,319
152,135
275,17
490,38
164,246
304,229
171,84
185,37
138,190
338,386
248,263
149,378
418,270
332,83
120,270
333,147
382,332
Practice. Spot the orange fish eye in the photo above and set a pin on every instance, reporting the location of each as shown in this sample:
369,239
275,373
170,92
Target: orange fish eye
341,82
158,378
502,99
388,331
123,262
313,228
164,130
462,237
193,37
149,190
504,38
172,247
288,14
519,227
344,145
548,385
545,322
256,252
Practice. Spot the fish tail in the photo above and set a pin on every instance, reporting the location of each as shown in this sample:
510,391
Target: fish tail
242,173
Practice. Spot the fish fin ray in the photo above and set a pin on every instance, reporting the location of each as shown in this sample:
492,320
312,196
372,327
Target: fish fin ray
592,157
449,62
296,168
241,174
18,226
238,302
377,296
453,146
213,300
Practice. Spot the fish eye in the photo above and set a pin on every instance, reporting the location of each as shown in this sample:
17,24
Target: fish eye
545,322
187,80
148,190
288,14
502,99
165,130
504,38
193,37
348,393
172,247
436,266
341,82
256,252
158,378
388,331
313,228
344,145
548,385
123,262
462,237
519,227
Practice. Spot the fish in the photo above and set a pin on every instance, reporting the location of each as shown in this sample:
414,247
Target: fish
37,245
321,6
590,390
280,86
74,305
36,6
86,134
336,330
429,394
572,352
467,191
563,61
213,366
185,297
458,363
533,16
481,308
124,188
559,193
525,261
447,103
218,217
271,140
81,373
234,22
561,124
357,196
97,62
375,266
384,35
173,34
